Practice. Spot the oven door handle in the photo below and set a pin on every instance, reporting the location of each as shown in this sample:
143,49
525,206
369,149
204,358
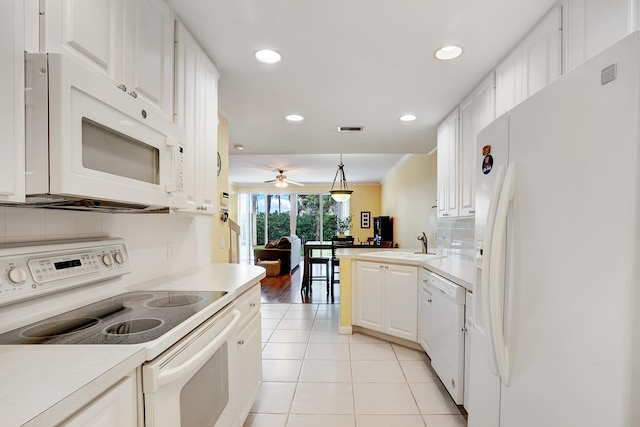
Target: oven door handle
172,374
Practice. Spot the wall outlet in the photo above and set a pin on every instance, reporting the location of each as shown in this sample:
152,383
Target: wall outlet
222,242
169,251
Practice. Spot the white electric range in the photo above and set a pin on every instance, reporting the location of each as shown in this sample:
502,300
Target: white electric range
177,331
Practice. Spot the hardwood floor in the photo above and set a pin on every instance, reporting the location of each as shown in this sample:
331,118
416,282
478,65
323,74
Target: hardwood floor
287,289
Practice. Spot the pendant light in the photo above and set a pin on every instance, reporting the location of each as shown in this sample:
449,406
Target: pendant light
342,194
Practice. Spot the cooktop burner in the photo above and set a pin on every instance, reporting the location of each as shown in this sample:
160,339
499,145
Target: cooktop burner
130,318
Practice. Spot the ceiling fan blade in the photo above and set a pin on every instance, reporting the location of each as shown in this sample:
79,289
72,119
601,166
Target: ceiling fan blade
271,181
295,183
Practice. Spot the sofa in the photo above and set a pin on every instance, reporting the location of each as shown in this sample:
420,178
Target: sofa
286,249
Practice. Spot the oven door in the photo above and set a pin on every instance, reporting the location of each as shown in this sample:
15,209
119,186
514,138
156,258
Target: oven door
100,142
194,384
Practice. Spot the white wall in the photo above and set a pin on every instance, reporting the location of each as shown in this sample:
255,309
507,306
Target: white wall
147,235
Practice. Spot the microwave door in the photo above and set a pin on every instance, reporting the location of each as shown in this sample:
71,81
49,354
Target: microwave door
103,145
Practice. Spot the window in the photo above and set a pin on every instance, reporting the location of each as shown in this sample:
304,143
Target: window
267,217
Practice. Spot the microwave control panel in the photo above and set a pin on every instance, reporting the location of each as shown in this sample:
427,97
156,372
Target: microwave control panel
29,271
180,160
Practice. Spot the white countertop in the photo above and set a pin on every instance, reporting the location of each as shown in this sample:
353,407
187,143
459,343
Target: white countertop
454,267
43,384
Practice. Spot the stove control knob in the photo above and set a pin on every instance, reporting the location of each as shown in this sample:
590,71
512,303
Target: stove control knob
17,276
107,260
119,257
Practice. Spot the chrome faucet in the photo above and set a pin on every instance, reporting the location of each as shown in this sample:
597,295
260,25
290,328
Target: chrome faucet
425,245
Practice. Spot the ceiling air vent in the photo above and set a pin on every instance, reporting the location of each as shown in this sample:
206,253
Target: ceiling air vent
350,128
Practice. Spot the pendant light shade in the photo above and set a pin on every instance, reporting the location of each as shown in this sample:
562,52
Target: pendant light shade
342,193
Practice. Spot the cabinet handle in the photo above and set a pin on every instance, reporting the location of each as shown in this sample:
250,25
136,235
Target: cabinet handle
253,304
122,87
133,93
445,214
240,342
472,211
428,300
144,114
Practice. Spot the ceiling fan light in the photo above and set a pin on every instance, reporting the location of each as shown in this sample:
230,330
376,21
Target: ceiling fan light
280,183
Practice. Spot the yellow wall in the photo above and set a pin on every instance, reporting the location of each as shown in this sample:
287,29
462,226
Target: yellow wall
408,194
220,229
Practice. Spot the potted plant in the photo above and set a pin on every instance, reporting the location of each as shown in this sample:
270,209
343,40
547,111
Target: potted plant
343,225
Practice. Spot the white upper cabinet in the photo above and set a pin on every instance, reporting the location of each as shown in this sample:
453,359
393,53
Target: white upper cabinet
88,30
196,110
448,164
593,25
209,141
148,48
130,42
476,111
12,166
534,63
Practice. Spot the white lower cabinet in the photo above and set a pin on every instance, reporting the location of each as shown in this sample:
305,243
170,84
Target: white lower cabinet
425,312
385,299
249,350
116,407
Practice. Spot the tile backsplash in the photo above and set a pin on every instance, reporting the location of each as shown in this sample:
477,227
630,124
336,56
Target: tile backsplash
158,244
456,235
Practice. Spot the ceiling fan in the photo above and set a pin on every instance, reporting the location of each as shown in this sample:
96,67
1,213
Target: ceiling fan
281,180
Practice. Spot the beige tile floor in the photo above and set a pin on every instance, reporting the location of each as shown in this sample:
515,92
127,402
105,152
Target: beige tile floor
312,376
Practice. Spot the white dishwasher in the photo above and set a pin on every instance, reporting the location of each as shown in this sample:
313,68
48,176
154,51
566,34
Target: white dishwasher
447,335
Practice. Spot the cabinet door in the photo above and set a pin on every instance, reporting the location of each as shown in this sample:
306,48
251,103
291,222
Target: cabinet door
401,291
468,137
532,65
88,30
509,82
592,25
249,364
369,294
476,111
542,53
117,407
186,106
148,47
207,176
448,166
424,312
12,166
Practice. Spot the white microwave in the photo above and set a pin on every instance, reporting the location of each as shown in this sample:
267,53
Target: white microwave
91,145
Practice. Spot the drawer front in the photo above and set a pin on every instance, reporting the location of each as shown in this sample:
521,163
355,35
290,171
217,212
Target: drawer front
248,304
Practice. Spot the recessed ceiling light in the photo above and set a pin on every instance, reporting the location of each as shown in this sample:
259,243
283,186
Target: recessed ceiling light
294,118
268,56
408,118
447,53
238,147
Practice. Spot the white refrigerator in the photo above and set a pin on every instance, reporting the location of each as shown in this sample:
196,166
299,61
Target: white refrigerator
555,331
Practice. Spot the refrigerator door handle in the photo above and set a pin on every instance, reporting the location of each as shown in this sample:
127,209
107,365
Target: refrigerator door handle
486,262
496,274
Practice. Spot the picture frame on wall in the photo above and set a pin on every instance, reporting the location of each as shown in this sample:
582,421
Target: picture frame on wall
365,219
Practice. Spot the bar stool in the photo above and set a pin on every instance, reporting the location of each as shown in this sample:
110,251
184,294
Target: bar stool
319,260
337,242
